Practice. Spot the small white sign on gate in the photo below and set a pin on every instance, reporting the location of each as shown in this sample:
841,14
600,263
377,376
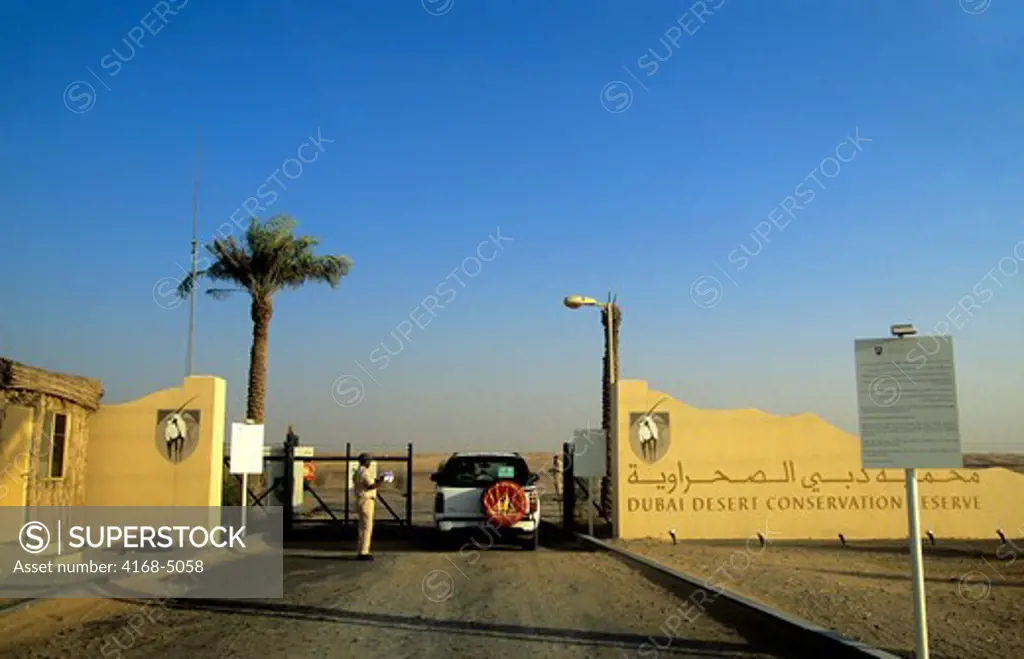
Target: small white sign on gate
275,470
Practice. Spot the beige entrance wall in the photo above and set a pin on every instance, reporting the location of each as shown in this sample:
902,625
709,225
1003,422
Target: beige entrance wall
134,460
15,458
729,474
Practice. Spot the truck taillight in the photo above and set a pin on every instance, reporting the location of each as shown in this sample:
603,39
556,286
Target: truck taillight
534,504
438,503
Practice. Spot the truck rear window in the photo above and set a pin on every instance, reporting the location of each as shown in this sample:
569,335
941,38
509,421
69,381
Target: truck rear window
482,471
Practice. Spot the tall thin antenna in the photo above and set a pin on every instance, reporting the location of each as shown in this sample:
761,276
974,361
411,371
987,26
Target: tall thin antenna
195,257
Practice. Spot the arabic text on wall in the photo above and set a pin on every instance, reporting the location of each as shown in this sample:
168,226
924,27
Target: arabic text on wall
678,479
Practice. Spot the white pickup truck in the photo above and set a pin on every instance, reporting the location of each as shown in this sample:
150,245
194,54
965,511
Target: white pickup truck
493,491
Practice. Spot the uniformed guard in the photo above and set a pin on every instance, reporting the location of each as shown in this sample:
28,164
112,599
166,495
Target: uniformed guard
366,495
556,474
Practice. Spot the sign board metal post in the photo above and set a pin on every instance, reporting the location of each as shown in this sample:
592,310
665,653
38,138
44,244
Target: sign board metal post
907,403
917,565
246,456
245,498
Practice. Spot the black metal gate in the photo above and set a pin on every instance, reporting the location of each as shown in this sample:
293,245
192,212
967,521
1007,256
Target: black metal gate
334,513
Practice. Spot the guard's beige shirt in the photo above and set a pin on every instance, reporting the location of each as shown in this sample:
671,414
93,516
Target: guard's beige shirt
363,482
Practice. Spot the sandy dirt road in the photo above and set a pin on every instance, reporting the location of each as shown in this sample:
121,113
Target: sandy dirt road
975,590
559,601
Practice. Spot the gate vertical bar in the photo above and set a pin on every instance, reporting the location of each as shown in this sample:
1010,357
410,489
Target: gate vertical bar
590,488
348,481
289,482
565,490
568,488
408,490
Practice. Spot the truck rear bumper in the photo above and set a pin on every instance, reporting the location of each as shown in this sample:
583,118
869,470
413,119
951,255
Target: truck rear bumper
528,525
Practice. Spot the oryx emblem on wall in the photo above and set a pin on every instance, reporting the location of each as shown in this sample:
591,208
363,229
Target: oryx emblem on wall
177,433
649,435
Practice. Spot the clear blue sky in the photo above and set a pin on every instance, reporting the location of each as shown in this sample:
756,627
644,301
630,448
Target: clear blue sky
446,127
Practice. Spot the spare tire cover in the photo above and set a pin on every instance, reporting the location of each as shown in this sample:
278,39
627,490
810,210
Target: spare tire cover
505,503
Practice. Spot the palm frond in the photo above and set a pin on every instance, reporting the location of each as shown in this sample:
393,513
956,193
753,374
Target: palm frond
223,293
186,285
270,257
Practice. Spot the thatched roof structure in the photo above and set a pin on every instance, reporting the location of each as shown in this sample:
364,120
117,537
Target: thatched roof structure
84,392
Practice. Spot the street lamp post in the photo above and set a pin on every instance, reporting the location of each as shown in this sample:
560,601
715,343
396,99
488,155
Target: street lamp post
608,308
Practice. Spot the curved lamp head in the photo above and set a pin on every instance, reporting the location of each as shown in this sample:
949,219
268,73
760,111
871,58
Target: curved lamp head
903,329
577,301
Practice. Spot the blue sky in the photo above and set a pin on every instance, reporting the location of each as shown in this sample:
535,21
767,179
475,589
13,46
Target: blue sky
497,114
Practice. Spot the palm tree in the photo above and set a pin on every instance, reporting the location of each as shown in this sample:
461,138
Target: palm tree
613,316
270,259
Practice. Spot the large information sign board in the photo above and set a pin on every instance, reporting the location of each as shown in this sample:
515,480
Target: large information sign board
907,403
588,460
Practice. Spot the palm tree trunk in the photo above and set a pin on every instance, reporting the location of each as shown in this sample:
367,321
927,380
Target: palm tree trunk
262,310
606,404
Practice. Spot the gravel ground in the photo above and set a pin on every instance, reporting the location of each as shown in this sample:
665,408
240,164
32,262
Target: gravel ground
411,602
975,591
